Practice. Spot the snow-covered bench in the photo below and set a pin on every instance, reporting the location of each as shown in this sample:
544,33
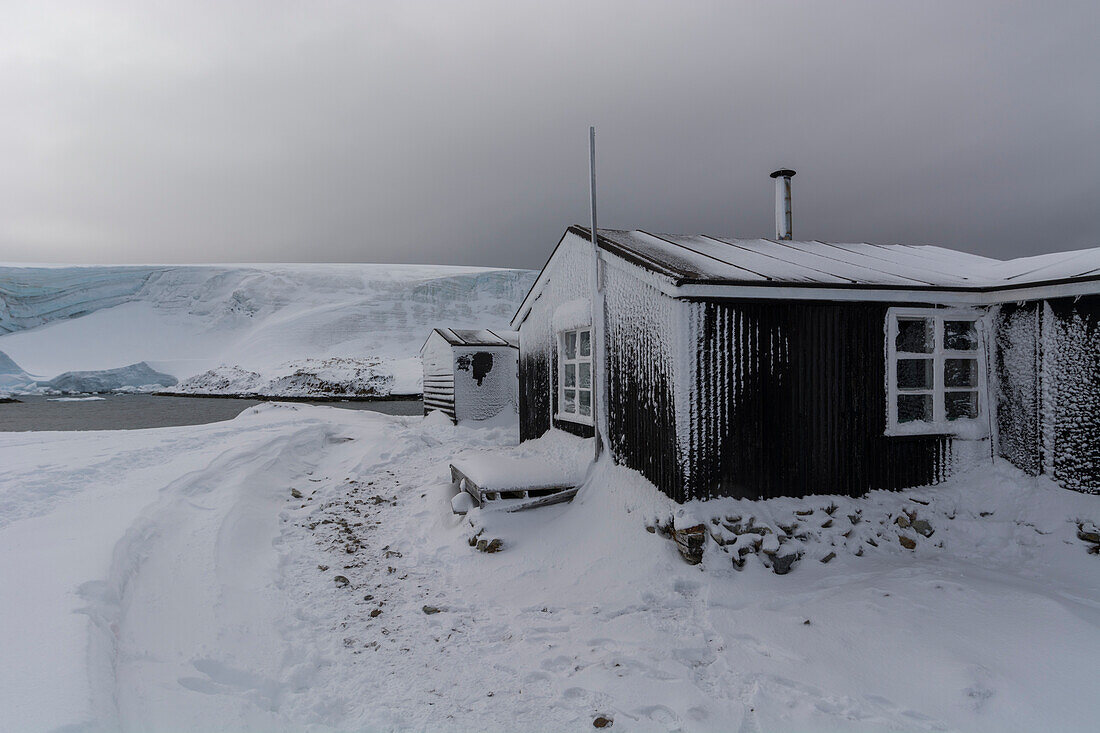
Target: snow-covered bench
538,472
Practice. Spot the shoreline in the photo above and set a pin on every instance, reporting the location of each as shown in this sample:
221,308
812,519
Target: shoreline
283,398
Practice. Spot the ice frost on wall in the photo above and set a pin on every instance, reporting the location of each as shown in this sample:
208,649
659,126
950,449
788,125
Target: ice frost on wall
1071,392
568,277
1016,384
485,382
645,331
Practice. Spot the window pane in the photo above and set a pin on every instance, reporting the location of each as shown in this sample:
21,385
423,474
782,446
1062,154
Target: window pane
960,372
914,408
586,374
570,375
915,335
961,405
960,336
570,401
586,343
585,401
914,374
570,345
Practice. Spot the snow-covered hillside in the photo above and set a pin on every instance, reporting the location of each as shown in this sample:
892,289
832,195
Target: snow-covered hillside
265,329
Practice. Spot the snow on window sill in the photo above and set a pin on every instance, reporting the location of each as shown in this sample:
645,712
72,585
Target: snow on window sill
578,419
972,429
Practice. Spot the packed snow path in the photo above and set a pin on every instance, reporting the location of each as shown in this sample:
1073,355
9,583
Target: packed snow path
298,568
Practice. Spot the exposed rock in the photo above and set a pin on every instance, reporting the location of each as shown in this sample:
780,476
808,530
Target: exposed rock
296,494
1089,534
902,521
828,523
602,721
494,545
922,526
827,558
376,613
782,564
907,542
431,609
341,581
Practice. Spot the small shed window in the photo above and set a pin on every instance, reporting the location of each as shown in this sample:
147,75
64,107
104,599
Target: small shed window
935,371
575,375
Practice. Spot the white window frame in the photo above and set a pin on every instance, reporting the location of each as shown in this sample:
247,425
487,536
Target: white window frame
559,408
975,427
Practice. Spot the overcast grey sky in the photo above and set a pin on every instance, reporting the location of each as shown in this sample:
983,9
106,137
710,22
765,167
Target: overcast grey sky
456,132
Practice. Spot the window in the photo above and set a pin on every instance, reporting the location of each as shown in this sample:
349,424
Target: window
575,375
936,371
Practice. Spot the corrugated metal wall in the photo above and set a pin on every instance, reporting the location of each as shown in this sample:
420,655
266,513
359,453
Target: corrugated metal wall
568,278
641,342
437,360
789,400
534,392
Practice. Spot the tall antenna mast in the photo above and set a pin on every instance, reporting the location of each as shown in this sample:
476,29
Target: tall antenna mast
599,393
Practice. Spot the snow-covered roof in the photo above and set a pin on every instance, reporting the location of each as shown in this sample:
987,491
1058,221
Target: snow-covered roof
479,337
700,266
707,259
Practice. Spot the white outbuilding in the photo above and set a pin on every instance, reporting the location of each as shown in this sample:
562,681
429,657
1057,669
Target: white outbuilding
471,374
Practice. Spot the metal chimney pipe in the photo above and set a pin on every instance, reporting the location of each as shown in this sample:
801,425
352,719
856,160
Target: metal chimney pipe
783,225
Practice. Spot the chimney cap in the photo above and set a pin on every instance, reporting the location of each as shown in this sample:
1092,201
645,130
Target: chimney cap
784,172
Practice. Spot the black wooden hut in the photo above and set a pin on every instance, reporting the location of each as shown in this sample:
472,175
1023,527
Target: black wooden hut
761,368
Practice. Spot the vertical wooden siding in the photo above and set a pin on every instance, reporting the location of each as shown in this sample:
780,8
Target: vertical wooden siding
789,400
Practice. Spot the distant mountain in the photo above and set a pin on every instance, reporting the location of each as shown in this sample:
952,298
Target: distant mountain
268,329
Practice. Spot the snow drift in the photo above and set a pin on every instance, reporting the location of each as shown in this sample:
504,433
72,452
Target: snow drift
297,329
299,568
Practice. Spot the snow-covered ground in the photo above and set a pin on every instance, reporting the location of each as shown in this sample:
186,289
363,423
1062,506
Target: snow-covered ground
291,330
299,568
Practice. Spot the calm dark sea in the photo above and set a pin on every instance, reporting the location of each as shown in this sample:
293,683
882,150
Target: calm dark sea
131,412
